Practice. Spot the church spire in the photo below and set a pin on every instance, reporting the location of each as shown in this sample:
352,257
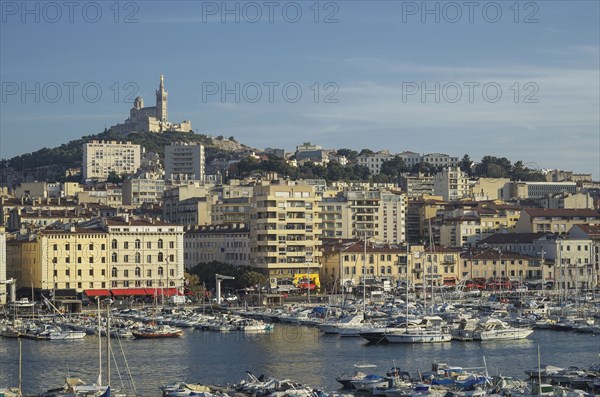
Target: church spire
161,102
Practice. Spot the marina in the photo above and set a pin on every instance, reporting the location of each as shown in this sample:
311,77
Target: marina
276,349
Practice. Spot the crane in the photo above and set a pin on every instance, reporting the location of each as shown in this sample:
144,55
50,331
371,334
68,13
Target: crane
218,279
13,288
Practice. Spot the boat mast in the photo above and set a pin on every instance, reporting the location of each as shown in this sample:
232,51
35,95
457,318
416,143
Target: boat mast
365,280
99,344
406,303
20,366
108,344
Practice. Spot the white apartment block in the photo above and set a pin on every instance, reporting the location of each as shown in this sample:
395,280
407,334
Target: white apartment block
410,158
100,158
373,161
284,229
335,216
439,160
184,161
137,191
394,207
541,189
222,243
451,184
378,214
417,185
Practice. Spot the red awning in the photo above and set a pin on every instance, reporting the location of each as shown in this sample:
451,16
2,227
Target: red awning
129,292
162,291
97,292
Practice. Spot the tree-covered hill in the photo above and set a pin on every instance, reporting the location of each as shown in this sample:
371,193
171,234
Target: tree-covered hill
69,155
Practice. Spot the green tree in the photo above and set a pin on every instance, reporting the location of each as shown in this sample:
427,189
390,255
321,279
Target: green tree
466,165
394,168
350,154
192,284
252,278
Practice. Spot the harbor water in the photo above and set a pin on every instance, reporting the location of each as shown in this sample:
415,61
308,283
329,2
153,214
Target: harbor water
299,353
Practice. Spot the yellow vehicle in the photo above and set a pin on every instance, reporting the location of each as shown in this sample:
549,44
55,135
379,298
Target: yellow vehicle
312,282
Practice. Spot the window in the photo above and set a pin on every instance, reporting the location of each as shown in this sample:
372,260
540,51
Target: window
382,270
78,259
149,273
55,247
126,258
172,258
160,256
91,246
67,247
91,259
148,258
126,273
137,244
103,247
79,272
138,272
171,244
149,244
114,272
172,272
68,259
113,244
78,247
103,272
126,245
160,244
138,257
160,271
91,272
55,273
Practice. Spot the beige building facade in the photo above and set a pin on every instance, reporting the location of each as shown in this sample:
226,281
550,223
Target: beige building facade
100,158
284,229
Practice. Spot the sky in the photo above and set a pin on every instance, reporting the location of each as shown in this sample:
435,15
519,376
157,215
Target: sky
515,79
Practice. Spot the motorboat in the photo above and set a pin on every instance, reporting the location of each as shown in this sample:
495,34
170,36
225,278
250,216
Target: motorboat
430,329
157,331
495,329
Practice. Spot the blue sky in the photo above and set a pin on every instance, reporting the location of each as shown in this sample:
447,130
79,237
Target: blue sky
506,78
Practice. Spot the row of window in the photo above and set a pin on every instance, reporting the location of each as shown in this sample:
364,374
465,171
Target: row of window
79,259
79,247
137,244
138,272
79,272
137,258
114,245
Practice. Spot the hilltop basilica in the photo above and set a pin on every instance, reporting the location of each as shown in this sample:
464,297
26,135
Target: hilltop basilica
153,118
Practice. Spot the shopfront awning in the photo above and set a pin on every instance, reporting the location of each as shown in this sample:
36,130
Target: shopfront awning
97,292
162,291
128,292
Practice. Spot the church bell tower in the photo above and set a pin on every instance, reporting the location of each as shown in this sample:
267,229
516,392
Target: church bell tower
161,101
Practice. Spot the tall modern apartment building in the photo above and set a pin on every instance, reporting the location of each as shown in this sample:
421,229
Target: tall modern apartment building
100,158
284,229
184,161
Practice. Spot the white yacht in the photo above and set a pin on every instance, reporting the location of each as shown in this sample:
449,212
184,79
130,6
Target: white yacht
430,329
495,329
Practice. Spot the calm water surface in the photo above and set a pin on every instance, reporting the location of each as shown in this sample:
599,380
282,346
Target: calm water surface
299,353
